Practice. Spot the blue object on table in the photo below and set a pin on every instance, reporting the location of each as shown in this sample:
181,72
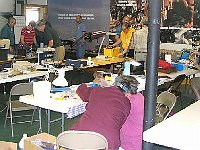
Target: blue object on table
94,84
179,66
185,55
127,69
60,89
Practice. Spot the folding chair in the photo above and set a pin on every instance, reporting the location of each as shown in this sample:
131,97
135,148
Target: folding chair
14,105
165,103
82,140
174,87
195,85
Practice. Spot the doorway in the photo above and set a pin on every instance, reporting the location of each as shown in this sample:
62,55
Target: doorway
34,12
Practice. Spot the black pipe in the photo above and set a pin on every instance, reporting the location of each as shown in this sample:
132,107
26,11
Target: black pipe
153,47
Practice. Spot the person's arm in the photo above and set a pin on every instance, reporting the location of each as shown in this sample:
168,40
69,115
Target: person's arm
193,59
34,40
49,37
4,33
83,92
197,66
22,39
117,42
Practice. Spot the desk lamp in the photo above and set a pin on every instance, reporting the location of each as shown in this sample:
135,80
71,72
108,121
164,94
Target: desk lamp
60,81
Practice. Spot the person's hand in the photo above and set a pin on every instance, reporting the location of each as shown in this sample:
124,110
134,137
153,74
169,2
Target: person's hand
10,49
113,45
120,55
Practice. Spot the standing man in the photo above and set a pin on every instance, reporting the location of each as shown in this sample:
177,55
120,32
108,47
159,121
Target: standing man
27,38
80,39
126,40
7,32
126,19
51,39
45,20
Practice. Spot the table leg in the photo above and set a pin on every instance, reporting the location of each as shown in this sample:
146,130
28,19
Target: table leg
49,123
63,121
40,121
186,83
4,89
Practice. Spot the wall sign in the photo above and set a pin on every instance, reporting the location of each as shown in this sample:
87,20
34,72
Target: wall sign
62,14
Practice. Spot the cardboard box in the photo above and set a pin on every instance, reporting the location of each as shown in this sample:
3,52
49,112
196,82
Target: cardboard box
8,145
112,52
43,136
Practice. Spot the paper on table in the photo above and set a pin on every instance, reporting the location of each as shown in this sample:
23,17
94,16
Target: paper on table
41,90
135,63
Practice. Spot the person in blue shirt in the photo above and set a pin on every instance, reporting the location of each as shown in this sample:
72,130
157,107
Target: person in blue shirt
80,41
7,32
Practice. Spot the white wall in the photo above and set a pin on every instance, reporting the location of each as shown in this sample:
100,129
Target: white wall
7,5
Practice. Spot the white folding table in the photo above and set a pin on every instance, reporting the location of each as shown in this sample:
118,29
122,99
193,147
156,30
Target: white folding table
71,107
180,131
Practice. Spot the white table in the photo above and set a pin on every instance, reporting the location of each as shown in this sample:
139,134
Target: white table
173,75
30,75
71,107
142,79
181,131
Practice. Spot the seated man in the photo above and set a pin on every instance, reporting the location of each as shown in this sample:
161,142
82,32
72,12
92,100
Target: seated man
107,108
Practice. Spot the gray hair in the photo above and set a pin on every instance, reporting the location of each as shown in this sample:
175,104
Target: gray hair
128,84
32,24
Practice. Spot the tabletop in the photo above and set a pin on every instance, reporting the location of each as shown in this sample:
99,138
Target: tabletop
173,75
103,62
72,106
180,131
5,79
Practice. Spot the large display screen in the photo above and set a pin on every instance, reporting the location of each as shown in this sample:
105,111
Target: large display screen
62,14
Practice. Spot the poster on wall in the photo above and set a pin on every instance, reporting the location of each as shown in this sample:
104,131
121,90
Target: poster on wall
95,15
181,22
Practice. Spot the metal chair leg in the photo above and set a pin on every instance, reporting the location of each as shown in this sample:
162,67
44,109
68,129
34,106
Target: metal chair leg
181,101
32,118
6,116
11,121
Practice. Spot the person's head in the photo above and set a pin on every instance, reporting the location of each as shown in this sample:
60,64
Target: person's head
32,24
45,16
11,21
125,27
127,84
99,78
78,19
40,26
126,19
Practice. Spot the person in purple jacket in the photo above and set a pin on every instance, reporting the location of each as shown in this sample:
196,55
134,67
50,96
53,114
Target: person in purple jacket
107,108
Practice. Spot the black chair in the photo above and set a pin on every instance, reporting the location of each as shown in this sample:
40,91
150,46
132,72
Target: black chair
174,87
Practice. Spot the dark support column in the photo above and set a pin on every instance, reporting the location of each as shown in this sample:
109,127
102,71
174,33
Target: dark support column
154,12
